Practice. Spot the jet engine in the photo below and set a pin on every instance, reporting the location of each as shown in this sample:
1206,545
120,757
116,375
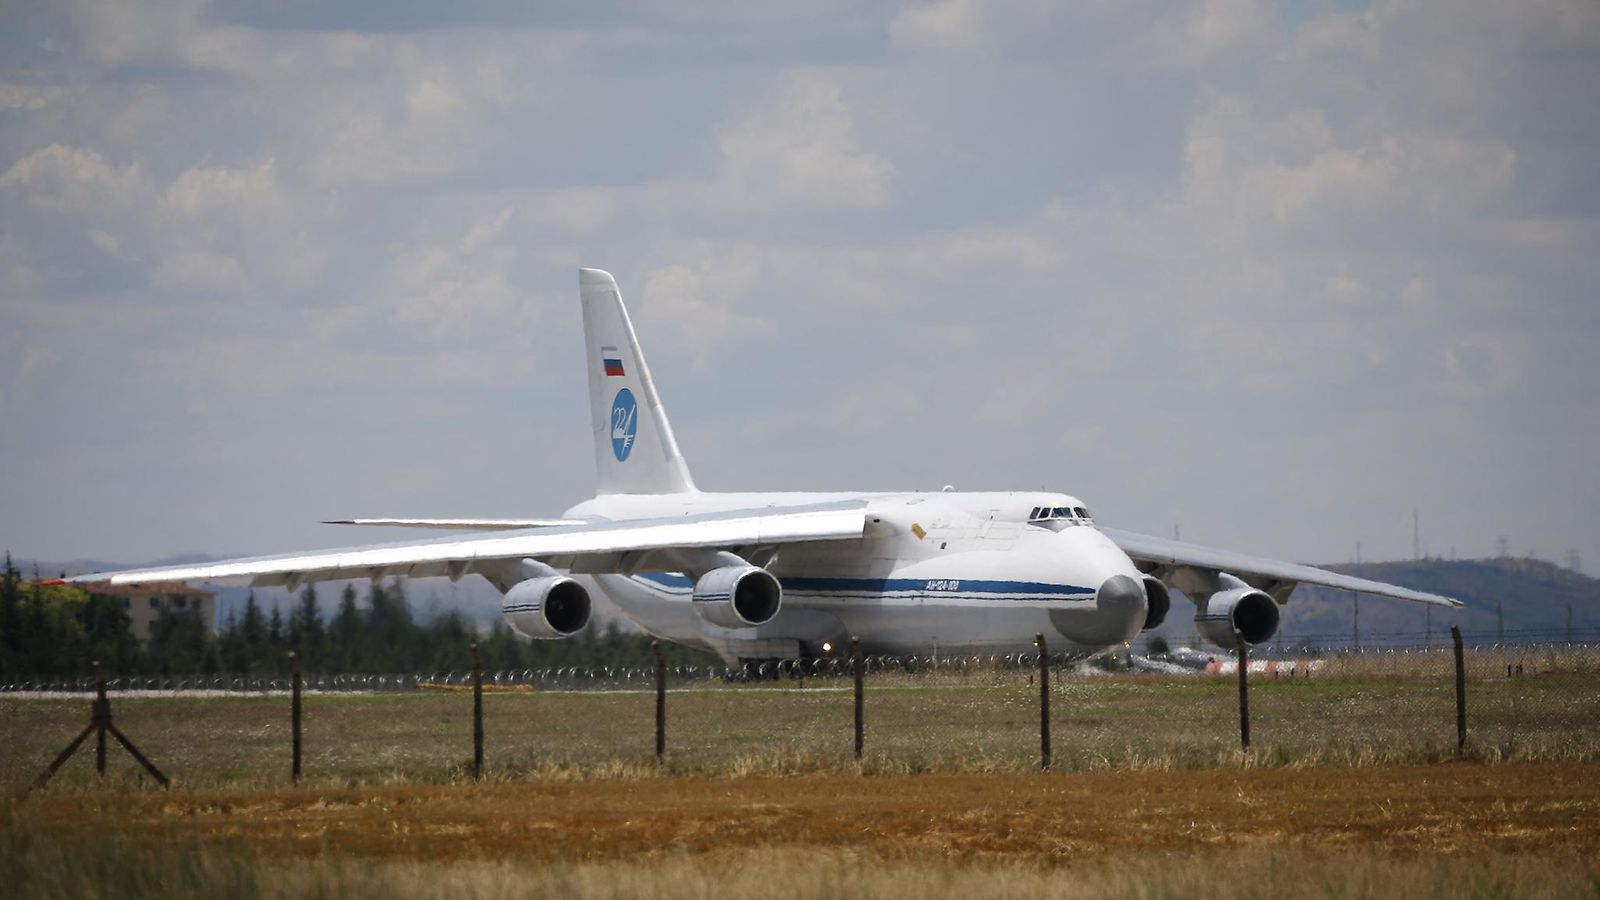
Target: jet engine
1157,602
1246,610
737,596
553,606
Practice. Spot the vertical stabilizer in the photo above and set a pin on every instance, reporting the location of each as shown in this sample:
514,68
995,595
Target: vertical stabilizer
634,450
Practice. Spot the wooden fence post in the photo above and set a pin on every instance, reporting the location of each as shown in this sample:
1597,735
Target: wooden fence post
661,702
856,667
101,715
1044,701
477,713
1461,690
295,683
1244,690
100,723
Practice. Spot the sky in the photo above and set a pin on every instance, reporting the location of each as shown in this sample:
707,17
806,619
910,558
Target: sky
1277,275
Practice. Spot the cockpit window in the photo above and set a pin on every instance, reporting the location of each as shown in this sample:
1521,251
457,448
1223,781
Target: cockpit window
1064,515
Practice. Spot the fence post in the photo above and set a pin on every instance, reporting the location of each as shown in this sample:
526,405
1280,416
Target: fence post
1244,690
100,722
295,683
477,713
661,702
1461,691
855,665
102,712
1044,701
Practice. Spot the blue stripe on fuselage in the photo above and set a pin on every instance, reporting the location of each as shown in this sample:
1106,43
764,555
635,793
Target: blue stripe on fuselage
963,587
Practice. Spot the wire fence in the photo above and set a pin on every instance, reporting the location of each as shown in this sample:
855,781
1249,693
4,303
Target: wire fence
1183,709
1486,661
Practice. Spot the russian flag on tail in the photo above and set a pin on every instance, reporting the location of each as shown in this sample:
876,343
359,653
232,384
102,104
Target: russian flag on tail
611,360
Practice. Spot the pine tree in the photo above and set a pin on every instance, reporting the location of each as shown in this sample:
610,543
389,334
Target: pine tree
305,624
232,655
179,645
391,634
311,625
344,635
253,634
11,636
448,641
108,635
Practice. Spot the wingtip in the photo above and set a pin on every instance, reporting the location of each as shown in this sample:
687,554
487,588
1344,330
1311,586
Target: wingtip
595,276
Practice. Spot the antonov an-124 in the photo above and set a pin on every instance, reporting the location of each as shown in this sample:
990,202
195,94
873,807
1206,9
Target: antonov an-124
759,576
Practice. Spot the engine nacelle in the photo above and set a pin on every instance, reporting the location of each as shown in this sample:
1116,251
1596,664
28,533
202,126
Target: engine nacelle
1158,601
554,606
1246,610
737,596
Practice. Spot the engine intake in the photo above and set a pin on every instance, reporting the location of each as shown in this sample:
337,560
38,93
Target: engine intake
737,596
1158,602
1250,612
554,606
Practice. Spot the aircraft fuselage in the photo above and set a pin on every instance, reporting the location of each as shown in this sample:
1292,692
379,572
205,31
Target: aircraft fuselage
961,572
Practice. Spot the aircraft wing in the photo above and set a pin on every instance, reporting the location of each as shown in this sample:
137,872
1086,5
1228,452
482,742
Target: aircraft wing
1258,570
459,524
590,548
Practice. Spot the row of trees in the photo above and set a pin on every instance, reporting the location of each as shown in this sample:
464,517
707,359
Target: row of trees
57,628
63,630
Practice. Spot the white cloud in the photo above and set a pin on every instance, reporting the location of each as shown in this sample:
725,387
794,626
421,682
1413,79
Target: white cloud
798,148
28,97
119,34
209,228
943,23
700,307
425,122
71,180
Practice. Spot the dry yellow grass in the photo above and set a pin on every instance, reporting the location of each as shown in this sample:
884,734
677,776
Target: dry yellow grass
824,873
1449,830
1456,808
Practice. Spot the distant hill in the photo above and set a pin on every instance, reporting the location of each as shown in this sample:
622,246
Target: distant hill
1523,599
1532,596
1534,599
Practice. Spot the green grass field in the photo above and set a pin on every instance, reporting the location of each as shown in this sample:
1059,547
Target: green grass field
1350,789
945,723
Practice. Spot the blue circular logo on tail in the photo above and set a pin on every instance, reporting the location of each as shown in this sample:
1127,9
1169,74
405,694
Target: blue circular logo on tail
624,424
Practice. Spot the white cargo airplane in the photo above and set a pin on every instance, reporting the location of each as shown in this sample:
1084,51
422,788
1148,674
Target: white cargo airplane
786,575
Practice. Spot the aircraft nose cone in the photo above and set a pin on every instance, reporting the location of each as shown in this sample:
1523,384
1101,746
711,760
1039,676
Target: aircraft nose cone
1118,614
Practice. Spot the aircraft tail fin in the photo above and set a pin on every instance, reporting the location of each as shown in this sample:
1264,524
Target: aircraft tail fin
634,449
